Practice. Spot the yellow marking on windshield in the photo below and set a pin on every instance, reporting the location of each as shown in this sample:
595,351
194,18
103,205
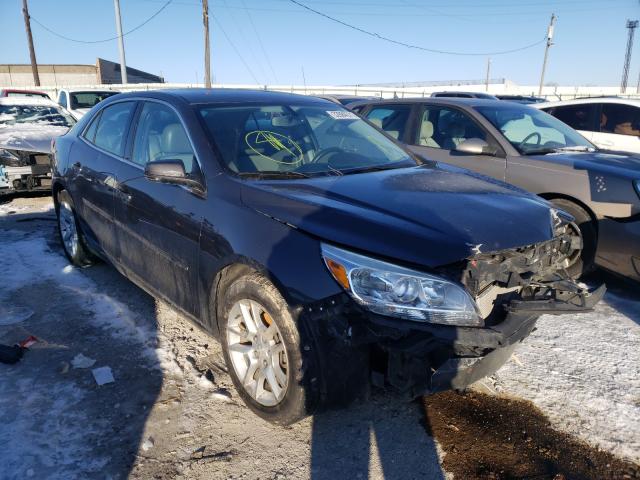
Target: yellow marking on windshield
278,142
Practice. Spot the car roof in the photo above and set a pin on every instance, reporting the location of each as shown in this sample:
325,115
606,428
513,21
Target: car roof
20,90
581,101
227,95
28,101
89,90
467,102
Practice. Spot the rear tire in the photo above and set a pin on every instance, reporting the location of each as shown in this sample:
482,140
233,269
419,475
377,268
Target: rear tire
262,349
71,236
584,224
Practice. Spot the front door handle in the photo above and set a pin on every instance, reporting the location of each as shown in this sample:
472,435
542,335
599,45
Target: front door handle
123,192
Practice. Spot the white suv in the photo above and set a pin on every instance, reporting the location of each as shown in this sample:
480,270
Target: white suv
609,122
79,102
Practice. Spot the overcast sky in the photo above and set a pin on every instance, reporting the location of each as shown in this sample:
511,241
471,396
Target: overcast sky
273,41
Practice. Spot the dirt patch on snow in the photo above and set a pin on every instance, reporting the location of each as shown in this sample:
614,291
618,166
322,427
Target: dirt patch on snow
490,437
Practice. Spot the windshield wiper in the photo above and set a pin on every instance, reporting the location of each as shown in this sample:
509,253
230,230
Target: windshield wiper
546,150
273,174
372,168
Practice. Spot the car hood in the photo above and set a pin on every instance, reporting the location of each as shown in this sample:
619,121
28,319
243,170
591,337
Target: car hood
34,138
605,161
428,216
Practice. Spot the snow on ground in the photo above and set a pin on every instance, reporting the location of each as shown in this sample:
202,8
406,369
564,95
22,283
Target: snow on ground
163,417
583,371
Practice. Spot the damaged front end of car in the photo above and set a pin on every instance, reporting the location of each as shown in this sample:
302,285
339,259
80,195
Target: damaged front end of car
22,170
422,333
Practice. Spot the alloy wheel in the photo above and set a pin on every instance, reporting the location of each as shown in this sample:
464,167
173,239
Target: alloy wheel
257,352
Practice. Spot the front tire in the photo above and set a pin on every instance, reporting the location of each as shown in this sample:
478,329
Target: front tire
262,349
582,262
71,236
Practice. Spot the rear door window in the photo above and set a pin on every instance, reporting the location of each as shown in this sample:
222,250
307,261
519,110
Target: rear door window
446,128
578,117
111,129
392,119
620,119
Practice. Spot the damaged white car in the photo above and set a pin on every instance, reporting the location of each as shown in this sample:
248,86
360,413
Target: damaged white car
27,128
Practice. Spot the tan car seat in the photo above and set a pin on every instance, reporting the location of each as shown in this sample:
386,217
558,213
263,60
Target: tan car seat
426,134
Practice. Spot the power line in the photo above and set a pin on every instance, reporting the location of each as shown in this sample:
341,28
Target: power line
106,39
235,48
245,45
409,45
255,30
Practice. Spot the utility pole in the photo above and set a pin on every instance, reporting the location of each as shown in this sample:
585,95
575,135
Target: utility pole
32,51
207,56
631,26
123,63
488,73
546,50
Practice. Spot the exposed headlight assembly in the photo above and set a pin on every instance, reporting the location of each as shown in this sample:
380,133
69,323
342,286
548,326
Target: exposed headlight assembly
9,158
396,291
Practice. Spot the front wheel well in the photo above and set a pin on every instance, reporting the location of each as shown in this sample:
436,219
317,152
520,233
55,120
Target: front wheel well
584,206
222,281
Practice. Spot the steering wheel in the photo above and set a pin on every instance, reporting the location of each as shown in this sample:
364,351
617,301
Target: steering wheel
532,134
324,152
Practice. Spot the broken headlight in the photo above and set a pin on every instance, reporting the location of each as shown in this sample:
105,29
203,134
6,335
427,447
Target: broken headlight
396,291
9,158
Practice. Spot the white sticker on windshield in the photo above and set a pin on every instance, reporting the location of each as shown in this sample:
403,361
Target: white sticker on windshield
342,115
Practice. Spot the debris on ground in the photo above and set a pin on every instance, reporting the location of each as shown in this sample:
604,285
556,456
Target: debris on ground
148,444
11,354
524,446
80,361
203,454
103,375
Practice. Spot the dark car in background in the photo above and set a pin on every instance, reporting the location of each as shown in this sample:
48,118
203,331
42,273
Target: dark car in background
314,247
524,99
533,150
28,125
456,94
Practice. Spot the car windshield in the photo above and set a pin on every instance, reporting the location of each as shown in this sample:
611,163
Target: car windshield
35,114
299,140
88,99
533,131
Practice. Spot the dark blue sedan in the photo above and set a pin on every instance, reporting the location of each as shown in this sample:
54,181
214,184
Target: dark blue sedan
314,247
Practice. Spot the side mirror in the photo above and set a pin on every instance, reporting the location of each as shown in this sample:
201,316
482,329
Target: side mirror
476,146
169,171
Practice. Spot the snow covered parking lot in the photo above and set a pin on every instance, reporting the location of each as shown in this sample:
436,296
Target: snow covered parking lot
171,411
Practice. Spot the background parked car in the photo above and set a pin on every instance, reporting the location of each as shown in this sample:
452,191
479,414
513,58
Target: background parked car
454,94
13,92
524,99
610,123
79,102
346,100
314,247
27,127
533,150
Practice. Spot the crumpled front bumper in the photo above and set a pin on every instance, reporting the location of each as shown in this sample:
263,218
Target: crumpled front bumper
431,358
